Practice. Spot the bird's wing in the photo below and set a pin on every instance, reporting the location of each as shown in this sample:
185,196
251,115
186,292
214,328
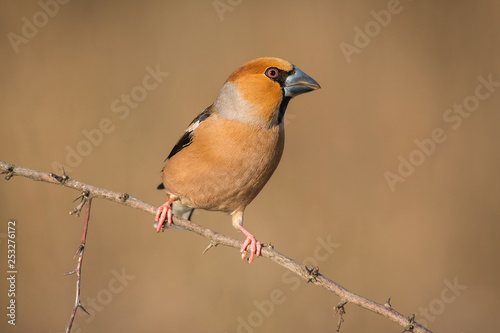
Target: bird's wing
187,138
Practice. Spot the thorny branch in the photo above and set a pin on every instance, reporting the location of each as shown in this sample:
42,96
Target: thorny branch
311,275
79,252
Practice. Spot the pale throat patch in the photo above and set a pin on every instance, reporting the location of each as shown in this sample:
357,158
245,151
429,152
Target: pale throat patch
229,104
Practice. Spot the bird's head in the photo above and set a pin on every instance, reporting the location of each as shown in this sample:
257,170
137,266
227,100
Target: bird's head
259,91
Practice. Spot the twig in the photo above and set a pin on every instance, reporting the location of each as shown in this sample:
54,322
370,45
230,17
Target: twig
79,252
340,310
267,252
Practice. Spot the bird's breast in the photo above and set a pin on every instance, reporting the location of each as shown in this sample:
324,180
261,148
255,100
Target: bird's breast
226,166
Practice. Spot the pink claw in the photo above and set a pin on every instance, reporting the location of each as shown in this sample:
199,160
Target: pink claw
255,246
164,211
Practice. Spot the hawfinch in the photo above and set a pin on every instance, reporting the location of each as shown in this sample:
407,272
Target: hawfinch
230,150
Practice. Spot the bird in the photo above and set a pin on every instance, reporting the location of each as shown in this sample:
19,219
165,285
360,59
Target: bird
231,149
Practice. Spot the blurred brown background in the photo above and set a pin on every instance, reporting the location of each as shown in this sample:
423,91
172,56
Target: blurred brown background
438,228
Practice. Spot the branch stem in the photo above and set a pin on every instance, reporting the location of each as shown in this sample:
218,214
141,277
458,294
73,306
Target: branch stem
216,238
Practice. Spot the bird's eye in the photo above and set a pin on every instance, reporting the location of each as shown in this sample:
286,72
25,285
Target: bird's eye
272,73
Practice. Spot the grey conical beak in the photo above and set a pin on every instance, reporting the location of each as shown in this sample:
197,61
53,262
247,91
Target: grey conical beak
299,83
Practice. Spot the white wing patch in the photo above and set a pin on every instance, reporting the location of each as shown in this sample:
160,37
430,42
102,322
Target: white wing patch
193,126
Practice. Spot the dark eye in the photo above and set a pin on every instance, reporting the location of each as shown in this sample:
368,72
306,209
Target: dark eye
272,73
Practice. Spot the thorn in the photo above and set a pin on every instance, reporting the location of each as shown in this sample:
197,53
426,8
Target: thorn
124,197
269,245
80,305
313,273
341,311
76,211
70,273
8,173
388,303
411,324
80,250
84,197
64,176
61,179
212,244
340,306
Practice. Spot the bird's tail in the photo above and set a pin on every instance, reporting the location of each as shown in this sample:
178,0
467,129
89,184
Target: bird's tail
182,211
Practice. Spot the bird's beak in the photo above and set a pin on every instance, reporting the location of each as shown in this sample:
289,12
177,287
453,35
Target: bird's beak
299,83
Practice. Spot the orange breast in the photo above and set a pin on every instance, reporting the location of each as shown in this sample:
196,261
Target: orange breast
226,166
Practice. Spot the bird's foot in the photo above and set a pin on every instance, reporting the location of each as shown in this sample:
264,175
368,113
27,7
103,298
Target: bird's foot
164,211
255,246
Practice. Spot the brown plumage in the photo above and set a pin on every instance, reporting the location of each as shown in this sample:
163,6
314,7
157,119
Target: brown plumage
229,152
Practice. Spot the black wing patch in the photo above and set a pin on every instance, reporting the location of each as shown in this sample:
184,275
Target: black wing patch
183,142
160,187
187,138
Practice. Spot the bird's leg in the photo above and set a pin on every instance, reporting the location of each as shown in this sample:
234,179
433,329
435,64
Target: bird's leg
163,211
255,246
